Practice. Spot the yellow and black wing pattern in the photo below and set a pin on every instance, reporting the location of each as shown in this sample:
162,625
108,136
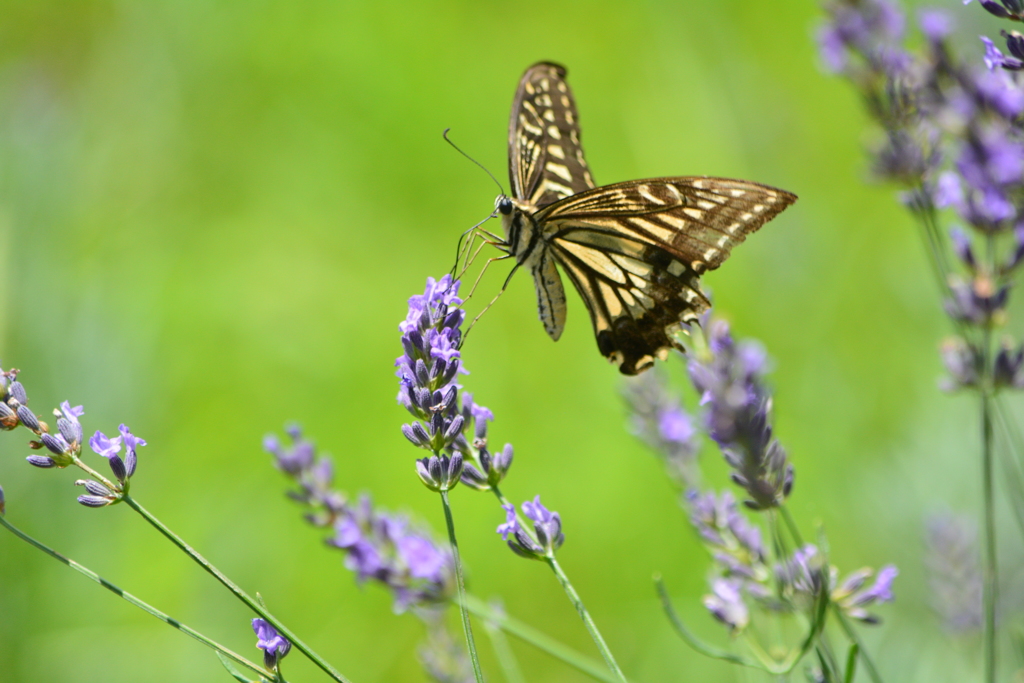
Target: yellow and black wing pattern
545,157
633,250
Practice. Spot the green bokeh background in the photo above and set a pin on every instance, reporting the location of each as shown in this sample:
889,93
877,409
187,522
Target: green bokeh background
212,214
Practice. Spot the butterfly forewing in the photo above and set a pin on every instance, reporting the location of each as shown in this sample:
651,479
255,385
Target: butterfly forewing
633,250
545,157
695,219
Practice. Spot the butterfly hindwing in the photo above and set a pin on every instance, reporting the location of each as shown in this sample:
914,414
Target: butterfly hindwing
637,295
545,157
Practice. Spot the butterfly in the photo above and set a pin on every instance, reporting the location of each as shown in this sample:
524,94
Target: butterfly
633,250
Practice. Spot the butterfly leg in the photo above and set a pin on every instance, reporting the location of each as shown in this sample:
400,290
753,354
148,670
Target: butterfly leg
472,259
474,232
467,248
496,297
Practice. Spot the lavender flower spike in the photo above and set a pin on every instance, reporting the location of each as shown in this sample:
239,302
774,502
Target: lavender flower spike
659,420
274,645
738,416
431,363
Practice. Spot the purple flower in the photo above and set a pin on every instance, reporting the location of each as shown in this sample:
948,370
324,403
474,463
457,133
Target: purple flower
976,302
803,574
274,645
852,596
963,362
547,527
431,336
948,191
999,92
1008,368
726,604
386,548
131,443
68,425
102,445
675,426
423,559
870,29
511,524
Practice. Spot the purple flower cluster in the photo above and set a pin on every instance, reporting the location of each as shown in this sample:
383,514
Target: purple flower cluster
734,542
431,334
427,371
274,645
871,30
954,139
744,577
738,416
65,447
379,546
547,528
13,398
658,419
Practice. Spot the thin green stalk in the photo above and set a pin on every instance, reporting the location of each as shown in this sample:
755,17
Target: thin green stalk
574,598
1012,464
989,572
503,651
236,590
539,640
862,652
466,626
88,573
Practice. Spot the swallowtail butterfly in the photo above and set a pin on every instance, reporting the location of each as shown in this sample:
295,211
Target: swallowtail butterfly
633,250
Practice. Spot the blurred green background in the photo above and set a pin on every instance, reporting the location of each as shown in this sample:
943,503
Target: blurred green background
211,217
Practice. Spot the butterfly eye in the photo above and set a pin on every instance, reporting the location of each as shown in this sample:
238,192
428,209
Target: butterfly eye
503,204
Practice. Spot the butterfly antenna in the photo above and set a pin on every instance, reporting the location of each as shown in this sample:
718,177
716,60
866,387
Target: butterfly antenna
457,149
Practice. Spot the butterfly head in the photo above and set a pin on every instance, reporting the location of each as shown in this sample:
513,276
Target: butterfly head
503,205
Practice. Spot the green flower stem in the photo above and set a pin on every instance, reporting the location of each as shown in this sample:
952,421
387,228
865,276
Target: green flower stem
503,651
466,626
862,653
990,577
574,598
236,590
539,640
692,640
223,651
